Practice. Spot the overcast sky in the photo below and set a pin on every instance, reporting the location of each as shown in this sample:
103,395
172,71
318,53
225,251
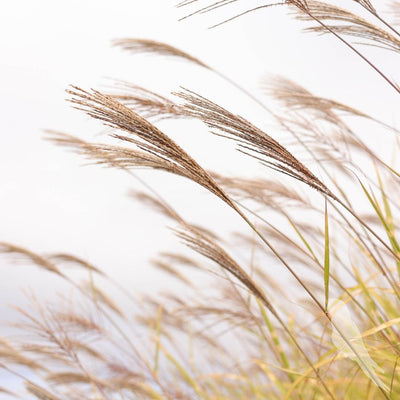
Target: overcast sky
51,203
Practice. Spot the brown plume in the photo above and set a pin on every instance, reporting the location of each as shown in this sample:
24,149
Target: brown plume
251,139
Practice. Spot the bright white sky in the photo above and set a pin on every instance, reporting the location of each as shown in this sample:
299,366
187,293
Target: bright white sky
49,202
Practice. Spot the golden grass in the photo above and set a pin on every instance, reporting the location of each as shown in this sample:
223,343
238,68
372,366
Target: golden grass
312,313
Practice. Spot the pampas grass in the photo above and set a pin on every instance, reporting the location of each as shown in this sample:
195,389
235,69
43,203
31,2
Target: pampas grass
241,338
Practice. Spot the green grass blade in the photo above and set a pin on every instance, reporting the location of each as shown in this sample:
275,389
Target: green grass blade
327,257
274,335
182,371
385,221
302,238
391,230
158,334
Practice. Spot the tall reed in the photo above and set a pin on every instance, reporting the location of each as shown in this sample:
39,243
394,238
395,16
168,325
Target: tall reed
328,327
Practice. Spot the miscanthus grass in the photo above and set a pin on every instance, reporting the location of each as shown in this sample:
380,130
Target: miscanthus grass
244,339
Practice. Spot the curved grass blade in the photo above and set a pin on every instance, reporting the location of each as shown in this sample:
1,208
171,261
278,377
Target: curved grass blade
326,257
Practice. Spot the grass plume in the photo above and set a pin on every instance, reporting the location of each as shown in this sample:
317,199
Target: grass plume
299,303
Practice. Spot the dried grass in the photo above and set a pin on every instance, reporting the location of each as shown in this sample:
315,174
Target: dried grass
260,331
147,46
251,139
344,22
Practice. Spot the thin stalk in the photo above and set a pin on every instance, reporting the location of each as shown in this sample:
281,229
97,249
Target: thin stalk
322,308
387,274
264,300
384,22
336,280
346,206
344,41
367,227
351,47
261,104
